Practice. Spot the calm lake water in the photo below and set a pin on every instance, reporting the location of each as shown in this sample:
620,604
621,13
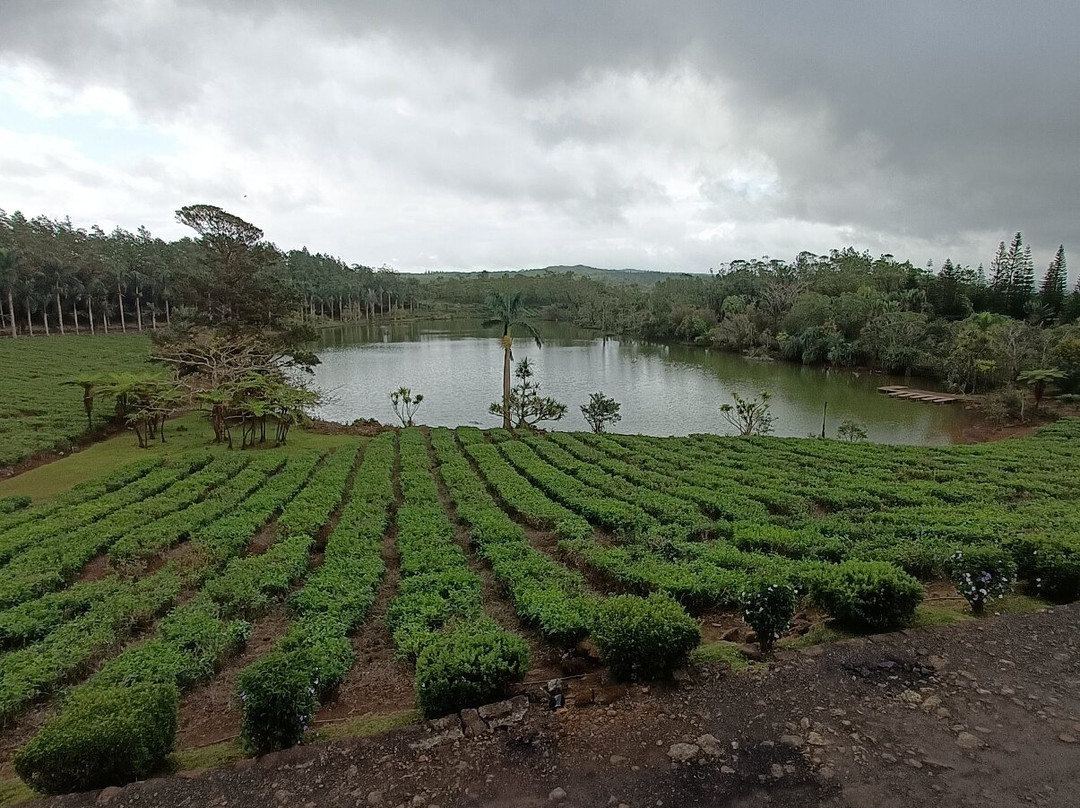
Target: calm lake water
663,389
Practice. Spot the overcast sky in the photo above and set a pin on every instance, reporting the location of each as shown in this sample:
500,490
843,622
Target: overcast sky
501,133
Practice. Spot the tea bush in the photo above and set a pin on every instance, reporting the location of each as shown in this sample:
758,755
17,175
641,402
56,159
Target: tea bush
103,736
643,638
867,594
473,664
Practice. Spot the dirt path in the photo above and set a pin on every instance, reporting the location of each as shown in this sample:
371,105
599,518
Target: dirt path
983,715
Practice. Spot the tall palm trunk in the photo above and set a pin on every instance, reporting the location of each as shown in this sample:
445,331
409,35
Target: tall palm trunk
507,342
75,316
11,314
45,318
90,311
168,315
59,310
138,306
120,300
29,322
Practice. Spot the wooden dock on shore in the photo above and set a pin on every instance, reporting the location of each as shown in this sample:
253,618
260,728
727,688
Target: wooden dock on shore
902,391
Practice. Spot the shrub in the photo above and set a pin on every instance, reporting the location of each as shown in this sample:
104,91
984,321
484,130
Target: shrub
1051,567
12,504
982,574
104,735
472,665
767,607
277,699
867,594
643,638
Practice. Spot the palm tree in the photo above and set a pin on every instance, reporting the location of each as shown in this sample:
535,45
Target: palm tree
508,312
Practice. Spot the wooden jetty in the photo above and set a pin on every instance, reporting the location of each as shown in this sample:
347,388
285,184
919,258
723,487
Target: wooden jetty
902,391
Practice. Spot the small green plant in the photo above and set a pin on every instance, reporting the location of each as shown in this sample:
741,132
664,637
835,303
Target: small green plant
527,406
406,404
749,416
601,412
472,665
851,431
981,574
767,607
867,594
643,638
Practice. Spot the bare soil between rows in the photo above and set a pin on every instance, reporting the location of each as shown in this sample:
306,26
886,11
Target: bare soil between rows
980,714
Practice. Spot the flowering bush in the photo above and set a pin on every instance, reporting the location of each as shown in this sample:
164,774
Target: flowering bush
767,607
981,574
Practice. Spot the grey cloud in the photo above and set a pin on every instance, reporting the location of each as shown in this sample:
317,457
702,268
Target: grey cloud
917,125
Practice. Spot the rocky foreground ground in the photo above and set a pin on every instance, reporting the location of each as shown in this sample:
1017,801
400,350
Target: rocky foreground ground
984,714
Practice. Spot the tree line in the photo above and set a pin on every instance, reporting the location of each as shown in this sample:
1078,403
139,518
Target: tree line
58,278
975,327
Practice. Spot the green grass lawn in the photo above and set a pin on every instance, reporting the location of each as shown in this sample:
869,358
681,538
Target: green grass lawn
38,413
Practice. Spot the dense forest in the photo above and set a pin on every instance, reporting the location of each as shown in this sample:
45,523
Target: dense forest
978,329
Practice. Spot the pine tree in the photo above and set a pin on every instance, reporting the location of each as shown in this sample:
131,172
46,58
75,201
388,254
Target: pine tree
1000,280
1052,291
1021,274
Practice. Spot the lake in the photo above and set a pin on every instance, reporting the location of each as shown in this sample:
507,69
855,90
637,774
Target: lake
664,389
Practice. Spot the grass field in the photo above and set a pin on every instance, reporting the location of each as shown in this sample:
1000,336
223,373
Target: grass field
480,557
37,412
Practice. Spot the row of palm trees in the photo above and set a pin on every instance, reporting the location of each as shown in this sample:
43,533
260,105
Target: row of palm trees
58,278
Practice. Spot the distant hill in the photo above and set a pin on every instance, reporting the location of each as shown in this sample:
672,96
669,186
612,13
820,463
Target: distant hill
641,277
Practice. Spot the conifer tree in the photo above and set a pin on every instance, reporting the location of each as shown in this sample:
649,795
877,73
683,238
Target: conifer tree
1052,291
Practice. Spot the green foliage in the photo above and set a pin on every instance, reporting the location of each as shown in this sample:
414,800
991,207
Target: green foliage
12,504
851,431
278,694
526,406
277,697
601,412
104,735
867,594
643,638
1051,566
406,404
749,416
982,573
767,606
545,593
473,664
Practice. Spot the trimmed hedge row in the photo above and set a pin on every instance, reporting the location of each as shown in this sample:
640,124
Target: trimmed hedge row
521,495
279,693
36,670
596,451
83,492
190,641
248,585
158,536
50,563
59,521
662,506
609,512
437,617
544,592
